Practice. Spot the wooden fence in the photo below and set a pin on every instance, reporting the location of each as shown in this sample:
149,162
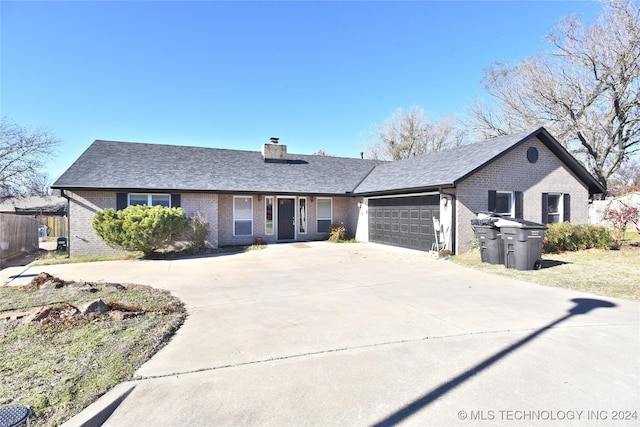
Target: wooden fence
57,226
18,234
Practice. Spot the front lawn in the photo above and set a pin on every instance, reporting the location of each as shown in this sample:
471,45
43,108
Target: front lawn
61,364
613,273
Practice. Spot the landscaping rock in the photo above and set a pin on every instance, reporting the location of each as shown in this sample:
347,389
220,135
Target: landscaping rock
116,286
41,313
122,315
83,287
52,284
94,307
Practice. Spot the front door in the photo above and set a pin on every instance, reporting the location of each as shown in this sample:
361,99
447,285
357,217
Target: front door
286,219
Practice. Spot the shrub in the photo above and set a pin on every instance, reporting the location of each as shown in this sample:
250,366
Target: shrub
619,219
337,232
141,228
568,237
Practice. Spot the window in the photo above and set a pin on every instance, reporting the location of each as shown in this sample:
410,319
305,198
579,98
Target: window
323,215
504,203
302,215
268,212
150,200
556,207
242,215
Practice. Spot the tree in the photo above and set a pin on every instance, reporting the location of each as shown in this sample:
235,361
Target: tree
410,134
626,179
23,152
585,91
141,228
322,153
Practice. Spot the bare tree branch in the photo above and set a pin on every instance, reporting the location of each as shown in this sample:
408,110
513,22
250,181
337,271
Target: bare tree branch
585,91
23,153
409,134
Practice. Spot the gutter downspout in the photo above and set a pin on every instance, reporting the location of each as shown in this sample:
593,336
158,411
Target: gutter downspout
62,193
453,218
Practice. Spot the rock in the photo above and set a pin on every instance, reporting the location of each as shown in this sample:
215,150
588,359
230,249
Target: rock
122,315
53,283
38,315
83,287
41,313
94,307
116,286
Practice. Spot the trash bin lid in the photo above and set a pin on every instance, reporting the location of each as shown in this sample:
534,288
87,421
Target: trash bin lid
517,223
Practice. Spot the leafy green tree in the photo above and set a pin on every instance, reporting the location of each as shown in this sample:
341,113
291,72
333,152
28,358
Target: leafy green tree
141,228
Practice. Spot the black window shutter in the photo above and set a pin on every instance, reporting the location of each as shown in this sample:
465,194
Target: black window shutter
519,204
492,201
175,200
545,208
566,207
121,201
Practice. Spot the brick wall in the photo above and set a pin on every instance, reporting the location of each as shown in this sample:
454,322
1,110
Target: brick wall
83,205
345,210
513,172
207,206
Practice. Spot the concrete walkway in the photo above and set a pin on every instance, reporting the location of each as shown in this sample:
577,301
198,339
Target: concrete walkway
355,334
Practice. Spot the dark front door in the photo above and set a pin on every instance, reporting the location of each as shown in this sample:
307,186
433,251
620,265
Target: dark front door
286,215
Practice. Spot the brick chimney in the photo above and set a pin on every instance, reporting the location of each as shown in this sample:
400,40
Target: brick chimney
273,151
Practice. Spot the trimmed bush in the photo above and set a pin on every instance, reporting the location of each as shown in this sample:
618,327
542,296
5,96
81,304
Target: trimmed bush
563,237
141,228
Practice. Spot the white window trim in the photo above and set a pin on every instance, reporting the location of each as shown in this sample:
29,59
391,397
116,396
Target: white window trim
242,219
318,218
306,216
149,196
273,216
512,203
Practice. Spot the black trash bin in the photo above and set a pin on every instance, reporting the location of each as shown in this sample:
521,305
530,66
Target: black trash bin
491,246
522,242
489,238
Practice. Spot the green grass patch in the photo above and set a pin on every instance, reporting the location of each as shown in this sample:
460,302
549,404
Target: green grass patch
631,237
612,273
53,258
59,368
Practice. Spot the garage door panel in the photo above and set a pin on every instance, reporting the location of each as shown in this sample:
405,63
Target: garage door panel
404,221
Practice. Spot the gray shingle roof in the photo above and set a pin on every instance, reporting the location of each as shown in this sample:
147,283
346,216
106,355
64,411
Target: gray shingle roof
443,168
129,166
136,166
449,167
55,204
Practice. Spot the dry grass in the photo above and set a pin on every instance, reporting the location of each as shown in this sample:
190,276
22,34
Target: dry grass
59,368
613,273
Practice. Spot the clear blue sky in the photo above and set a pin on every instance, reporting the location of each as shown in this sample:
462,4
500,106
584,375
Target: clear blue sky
318,75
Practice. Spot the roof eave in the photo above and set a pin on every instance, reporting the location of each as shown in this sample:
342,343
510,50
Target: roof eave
406,190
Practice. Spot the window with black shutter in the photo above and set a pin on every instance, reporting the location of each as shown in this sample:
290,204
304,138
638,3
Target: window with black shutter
556,207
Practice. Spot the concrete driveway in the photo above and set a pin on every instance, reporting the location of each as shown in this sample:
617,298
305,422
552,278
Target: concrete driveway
361,334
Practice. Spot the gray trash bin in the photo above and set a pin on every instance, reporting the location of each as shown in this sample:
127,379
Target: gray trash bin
491,246
522,242
489,237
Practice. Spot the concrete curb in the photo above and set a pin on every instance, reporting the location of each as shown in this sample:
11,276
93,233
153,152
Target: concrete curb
99,411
